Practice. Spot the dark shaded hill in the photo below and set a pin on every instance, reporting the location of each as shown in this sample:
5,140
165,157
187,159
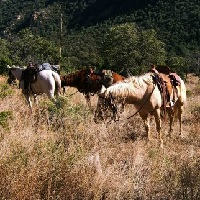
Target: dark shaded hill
102,10
176,22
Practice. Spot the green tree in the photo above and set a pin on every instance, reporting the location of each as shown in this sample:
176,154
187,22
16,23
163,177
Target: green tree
179,65
4,55
130,48
27,46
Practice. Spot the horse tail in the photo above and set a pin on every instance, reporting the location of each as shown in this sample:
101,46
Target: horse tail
181,102
182,92
57,83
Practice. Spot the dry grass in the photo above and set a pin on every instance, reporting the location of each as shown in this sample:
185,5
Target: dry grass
58,152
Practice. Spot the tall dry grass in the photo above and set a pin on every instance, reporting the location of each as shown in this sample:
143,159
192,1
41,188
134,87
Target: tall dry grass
58,152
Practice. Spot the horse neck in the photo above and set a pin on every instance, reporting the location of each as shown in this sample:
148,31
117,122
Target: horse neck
17,73
117,77
70,80
130,90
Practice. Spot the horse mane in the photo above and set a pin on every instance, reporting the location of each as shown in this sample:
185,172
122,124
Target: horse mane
126,87
140,81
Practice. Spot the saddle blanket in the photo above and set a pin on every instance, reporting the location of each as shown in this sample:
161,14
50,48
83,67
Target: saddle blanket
47,66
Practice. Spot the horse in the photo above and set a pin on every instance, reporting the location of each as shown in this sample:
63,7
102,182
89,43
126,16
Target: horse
47,82
173,83
88,82
145,94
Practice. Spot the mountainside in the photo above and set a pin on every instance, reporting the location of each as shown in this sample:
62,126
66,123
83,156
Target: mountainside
172,19
102,10
83,13
177,23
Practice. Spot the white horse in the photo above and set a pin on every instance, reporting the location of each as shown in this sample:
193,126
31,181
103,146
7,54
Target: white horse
47,82
144,93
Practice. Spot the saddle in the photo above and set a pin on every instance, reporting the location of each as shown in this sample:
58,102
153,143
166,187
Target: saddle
167,84
174,78
47,66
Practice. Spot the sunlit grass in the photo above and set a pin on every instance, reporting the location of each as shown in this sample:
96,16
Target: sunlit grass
58,152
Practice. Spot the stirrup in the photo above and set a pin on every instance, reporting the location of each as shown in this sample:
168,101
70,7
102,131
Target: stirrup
170,104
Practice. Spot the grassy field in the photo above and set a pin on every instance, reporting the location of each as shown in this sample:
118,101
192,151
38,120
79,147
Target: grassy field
58,152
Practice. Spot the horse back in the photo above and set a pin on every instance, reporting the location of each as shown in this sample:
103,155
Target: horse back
47,81
117,77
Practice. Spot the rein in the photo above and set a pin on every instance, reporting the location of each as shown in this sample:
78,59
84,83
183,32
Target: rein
143,104
114,109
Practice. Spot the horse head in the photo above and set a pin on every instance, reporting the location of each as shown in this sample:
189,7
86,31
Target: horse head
85,74
11,78
108,106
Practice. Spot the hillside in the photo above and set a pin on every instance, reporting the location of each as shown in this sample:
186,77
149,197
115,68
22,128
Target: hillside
60,153
177,23
125,36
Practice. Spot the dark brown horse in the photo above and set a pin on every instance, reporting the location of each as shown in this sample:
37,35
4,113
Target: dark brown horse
88,82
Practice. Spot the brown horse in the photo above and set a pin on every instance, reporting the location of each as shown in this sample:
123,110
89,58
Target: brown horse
88,82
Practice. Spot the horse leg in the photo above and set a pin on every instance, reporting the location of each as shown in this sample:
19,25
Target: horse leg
180,112
146,124
64,92
35,99
170,112
51,95
158,125
28,98
57,91
87,97
177,112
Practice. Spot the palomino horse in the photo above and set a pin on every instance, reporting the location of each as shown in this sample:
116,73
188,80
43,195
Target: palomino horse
144,92
47,82
88,82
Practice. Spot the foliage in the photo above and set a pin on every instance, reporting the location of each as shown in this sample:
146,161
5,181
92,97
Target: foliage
129,47
59,146
5,90
4,117
28,46
85,24
4,56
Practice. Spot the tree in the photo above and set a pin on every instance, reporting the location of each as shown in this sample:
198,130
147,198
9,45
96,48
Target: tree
4,55
26,46
179,65
130,48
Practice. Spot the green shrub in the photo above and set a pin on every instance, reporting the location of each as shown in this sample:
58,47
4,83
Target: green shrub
5,91
196,112
189,93
4,116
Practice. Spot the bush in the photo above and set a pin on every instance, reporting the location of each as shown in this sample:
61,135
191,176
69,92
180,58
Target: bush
5,91
4,116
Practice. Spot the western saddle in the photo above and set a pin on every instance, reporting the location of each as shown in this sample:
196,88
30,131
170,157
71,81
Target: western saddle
167,82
